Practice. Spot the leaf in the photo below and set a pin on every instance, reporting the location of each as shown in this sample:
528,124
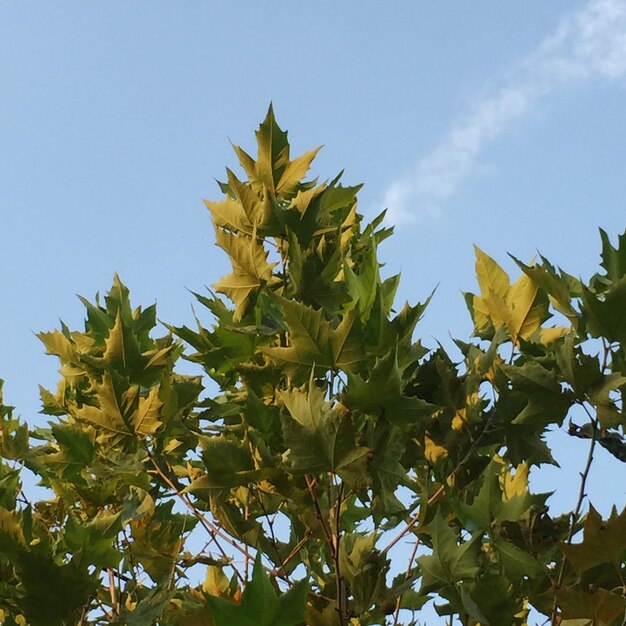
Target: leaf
603,542
382,393
226,461
321,437
527,311
604,316
314,342
492,504
146,417
250,269
294,172
516,563
54,595
273,154
260,605
121,346
602,606
450,561
109,415
555,286
75,441
388,443
93,542
520,308
11,534
613,259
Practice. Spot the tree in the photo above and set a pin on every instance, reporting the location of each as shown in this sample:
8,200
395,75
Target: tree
330,438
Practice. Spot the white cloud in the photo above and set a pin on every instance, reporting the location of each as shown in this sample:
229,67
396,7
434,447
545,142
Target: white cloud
588,44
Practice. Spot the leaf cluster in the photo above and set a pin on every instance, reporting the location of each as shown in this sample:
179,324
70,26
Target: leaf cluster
333,438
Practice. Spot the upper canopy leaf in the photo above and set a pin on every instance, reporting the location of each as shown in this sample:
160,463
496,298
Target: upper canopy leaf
314,341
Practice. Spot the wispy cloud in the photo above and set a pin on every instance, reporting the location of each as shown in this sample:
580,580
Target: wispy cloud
588,44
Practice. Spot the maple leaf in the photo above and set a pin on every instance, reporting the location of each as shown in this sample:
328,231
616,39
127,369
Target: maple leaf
260,604
604,541
314,341
450,562
250,269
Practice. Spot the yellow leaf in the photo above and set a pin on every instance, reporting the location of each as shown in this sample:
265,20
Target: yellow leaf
494,285
10,528
295,171
250,269
499,312
303,198
526,316
229,214
459,419
514,484
547,335
146,418
491,277
433,451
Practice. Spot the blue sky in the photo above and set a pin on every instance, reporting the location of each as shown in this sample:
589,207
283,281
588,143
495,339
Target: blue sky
500,124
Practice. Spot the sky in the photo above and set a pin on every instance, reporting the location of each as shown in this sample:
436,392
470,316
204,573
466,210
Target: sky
499,124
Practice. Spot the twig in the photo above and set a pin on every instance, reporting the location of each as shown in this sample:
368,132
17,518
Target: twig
396,614
310,483
579,503
435,496
281,562
131,560
112,593
206,524
336,539
295,550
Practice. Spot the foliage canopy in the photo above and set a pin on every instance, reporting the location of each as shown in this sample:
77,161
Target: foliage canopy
331,439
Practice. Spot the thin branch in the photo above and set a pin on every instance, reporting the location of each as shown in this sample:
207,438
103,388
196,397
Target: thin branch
295,550
310,483
341,584
112,592
396,614
579,503
213,530
435,496
245,516
281,562
131,560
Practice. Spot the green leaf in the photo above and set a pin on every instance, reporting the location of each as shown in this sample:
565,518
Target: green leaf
604,316
314,342
613,259
76,442
93,542
516,563
54,595
321,437
260,604
557,287
450,562
601,606
604,541
492,504
226,462
382,393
